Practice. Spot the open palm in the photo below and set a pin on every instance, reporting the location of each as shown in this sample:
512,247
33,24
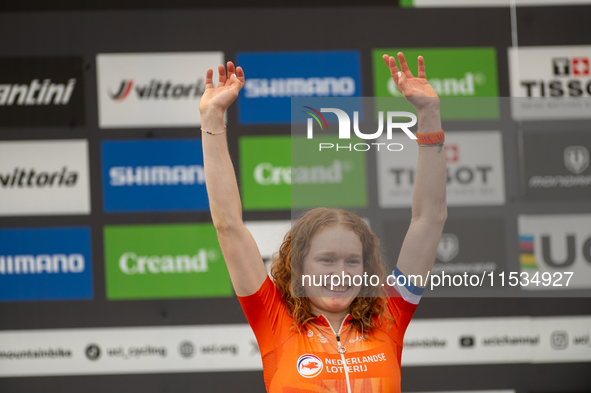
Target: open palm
415,89
222,96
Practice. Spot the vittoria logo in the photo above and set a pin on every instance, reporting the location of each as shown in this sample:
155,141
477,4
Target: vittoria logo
576,158
448,247
309,365
22,177
158,89
152,89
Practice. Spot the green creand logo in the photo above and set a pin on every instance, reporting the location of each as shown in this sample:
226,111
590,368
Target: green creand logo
462,77
272,180
164,261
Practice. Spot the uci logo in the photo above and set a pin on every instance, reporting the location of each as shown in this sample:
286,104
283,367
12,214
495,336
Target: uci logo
309,365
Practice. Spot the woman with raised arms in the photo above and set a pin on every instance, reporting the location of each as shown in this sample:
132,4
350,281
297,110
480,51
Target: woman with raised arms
328,339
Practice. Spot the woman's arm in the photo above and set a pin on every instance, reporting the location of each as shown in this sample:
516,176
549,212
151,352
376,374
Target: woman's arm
429,207
241,254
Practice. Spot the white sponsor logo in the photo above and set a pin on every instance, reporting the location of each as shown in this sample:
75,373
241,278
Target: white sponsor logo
266,174
152,89
44,177
160,175
299,87
37,93
42,263
131,263
475,173
449,87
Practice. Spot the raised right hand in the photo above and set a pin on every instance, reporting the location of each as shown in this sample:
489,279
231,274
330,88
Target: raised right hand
218,99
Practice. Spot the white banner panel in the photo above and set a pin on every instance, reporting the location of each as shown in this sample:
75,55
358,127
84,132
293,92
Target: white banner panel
558,248
555,79
493,3
474,163
428,342
497,340
128,350
44,177
152,89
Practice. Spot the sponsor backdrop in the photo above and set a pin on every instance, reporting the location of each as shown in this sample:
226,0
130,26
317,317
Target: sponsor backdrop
111,275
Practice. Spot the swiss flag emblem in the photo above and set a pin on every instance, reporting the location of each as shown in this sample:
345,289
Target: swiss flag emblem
452,153
580,66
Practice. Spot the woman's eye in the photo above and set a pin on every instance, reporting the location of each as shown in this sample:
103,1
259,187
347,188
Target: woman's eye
326,260
354,262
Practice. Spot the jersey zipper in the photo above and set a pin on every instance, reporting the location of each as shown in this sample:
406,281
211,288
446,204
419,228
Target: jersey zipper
338,337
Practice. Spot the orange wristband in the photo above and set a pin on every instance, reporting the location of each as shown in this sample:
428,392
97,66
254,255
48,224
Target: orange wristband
431,138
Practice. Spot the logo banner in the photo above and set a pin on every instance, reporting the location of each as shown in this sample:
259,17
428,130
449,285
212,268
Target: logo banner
48,177
153,175
555,79
164,262
45,264
41,91
266,96
152,89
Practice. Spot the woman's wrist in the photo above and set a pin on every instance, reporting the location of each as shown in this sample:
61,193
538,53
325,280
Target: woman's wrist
213,120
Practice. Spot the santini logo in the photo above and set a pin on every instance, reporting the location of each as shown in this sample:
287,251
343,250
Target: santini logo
156,90
131,263
345,129
300,87
37,93
42,263
21,177
160,175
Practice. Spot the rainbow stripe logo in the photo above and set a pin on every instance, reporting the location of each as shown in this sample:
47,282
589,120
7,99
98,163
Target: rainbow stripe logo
316,117
527,259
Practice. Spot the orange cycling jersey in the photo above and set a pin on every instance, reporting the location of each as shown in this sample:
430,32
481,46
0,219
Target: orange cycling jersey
309,361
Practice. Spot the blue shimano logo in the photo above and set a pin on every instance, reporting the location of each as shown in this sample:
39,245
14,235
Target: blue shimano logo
266,96
164,175
45,264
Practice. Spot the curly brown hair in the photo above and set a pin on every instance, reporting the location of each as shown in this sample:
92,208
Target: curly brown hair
288,267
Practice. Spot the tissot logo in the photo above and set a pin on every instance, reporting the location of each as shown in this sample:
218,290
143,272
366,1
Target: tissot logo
158,90
41,91
474,175
576,66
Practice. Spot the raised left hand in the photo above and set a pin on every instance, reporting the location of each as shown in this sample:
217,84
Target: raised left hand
415,89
